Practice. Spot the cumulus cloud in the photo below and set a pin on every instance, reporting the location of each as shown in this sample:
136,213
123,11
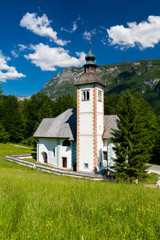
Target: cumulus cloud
7,72
145,34
41,27
48,58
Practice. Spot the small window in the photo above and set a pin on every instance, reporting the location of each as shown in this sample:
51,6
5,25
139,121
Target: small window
104,143
86,165
54,152
104,155
99,96
66,143
85,95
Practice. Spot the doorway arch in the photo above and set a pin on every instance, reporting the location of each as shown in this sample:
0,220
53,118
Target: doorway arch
45,157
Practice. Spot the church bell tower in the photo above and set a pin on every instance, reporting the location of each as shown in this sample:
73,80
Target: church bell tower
90,117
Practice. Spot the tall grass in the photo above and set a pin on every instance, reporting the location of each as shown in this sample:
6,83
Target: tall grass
37,205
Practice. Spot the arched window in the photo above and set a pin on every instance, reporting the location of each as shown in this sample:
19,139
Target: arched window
66,143
44,154
85,95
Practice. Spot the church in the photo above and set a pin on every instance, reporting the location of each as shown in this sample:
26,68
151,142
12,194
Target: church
79,139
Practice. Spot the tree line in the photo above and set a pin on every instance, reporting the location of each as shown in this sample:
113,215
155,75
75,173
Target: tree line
20,119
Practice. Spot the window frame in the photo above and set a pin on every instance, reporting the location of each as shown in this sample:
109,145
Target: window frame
105,154
99,95
85,95
54,152
86,165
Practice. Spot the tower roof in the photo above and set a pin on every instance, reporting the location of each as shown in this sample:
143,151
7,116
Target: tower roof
90,75
90,58
87,78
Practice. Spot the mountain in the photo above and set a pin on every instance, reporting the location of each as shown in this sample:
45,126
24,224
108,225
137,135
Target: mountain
140,76
20,98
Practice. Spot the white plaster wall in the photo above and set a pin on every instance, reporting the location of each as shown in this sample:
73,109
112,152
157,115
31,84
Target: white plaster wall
86,106
86,153
111,154
100,104
99,152
86,123
100,127
64,151
47,145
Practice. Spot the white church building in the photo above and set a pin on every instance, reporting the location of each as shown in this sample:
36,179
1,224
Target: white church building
79,139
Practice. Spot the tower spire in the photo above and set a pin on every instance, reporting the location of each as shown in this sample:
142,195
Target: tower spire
90,65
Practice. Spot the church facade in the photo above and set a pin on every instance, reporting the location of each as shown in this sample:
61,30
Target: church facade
78,139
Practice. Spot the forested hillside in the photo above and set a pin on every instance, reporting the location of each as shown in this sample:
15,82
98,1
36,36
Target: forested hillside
142,76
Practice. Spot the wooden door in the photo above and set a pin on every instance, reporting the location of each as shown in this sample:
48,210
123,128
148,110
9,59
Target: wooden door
64,161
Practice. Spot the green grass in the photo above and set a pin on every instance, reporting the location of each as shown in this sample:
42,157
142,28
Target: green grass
38,205
152,178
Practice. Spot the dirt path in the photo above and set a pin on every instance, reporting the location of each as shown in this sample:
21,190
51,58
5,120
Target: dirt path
18,145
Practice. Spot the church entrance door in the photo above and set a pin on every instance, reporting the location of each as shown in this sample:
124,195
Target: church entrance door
64,162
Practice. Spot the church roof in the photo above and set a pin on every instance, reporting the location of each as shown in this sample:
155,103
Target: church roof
90,77
65,126
109,124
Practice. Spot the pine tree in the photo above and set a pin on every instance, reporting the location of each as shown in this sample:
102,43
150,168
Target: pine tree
134,137
4,136
156,156
110,104
11,118
1,91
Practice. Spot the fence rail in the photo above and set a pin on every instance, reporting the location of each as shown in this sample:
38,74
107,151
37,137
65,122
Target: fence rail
19,159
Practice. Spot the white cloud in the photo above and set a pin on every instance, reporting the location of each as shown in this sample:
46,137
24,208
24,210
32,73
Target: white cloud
41,27
14,54
87,35
94,31
22,47
103,41
145,34
74,28
7,72
48,58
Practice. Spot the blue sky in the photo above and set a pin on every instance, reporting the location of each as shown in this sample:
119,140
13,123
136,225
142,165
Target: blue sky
40,38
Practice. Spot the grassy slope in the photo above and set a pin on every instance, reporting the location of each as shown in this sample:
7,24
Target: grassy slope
37,205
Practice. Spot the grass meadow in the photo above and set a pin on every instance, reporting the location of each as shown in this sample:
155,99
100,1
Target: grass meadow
39,205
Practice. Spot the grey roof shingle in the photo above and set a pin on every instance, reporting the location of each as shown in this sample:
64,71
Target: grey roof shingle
63,126
109,124
90,77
